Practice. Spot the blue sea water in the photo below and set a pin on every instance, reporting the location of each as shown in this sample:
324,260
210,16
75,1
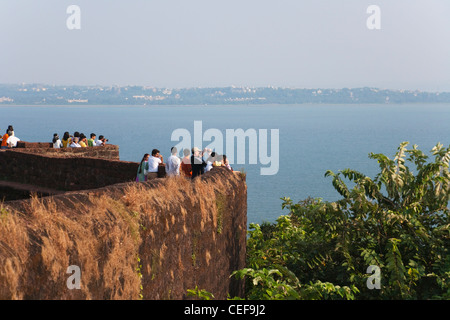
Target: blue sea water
312,138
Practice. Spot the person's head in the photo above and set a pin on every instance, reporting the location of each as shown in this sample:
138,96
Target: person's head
66,135
155,153
76,134
82,137
186,152
173,150
224,159
102,139
93,136
76,139
212,157
55,137
195,151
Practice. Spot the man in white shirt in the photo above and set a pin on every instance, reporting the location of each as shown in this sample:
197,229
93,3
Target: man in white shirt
101,141
12,140
173,163
154,161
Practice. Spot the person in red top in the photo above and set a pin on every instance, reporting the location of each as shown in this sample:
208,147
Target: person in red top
4,139
186,167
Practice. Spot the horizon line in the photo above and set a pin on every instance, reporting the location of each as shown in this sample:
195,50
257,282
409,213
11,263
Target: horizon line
217,86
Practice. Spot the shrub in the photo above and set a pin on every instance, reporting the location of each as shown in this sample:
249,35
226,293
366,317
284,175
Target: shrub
398,221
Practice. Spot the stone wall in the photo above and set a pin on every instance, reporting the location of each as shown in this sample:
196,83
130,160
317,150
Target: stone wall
150,240
67,169
107,152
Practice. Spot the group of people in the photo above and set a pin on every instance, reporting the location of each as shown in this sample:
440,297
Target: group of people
9,139
78,140
191,165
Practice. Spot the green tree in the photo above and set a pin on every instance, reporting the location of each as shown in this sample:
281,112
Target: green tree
398,221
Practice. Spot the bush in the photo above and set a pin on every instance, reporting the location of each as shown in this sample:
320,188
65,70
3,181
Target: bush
398,222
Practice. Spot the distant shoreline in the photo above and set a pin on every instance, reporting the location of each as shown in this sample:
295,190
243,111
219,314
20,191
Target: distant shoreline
44,95
220,105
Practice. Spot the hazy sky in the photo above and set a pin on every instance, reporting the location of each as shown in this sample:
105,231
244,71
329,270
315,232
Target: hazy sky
189,43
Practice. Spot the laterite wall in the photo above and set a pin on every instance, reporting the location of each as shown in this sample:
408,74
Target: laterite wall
66,169
150,240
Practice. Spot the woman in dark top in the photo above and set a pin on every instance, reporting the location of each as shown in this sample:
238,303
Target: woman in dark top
197,163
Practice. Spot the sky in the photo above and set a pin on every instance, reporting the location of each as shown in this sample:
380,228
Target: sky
211,43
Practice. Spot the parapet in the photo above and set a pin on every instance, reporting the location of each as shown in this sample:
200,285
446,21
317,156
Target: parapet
46,171
107,152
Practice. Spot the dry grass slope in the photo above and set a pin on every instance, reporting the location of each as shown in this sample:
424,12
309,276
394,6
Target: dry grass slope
151,240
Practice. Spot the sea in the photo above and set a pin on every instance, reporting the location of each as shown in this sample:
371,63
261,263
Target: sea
311,138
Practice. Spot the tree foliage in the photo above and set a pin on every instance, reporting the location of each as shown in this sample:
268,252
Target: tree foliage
398,221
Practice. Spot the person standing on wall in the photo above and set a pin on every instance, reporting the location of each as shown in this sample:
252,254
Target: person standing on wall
66,139
4,140
75,143
186,167
83,140
153,163
12,140
56,141
143,169
173,163
197,162
101,141
91,141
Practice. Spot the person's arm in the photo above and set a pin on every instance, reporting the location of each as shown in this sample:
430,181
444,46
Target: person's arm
179,166
168,167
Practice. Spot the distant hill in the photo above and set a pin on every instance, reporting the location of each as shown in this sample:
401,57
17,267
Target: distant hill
38,94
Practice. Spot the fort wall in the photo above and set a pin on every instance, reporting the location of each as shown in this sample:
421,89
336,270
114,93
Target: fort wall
107,152
67,173
149,240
